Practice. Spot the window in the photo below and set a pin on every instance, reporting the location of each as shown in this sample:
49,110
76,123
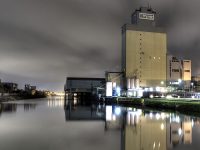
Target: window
175,60
187,70
175,70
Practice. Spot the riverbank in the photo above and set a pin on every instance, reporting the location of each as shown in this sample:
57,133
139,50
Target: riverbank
185,106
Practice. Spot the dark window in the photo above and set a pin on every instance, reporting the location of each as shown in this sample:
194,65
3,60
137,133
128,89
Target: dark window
175,70
187,70
175,61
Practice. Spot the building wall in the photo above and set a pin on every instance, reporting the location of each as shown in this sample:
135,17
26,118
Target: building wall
186,70
174,68
114,77
146,57
74,84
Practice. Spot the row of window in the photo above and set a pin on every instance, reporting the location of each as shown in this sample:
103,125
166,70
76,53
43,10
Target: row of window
177,70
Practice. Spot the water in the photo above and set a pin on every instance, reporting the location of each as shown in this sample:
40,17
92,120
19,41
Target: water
52,124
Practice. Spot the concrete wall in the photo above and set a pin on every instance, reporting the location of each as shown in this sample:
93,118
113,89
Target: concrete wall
146,57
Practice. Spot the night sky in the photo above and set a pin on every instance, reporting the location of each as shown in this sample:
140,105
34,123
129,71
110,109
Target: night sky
44,41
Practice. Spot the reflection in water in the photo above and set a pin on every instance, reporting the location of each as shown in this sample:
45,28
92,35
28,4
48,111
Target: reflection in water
8,108
56,101
144,130
140,129
29,107
133,129
76,111
12,107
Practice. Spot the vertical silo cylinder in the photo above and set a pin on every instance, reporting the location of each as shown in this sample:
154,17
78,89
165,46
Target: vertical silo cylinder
128,83
137,83
132,83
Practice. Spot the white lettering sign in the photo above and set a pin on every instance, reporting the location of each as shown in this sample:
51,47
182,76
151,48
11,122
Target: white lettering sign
146,16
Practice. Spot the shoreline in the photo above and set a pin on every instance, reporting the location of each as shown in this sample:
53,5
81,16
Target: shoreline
190,107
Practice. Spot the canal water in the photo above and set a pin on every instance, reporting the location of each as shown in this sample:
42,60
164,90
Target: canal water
55,124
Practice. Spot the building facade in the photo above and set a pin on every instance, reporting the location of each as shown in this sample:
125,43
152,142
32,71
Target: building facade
178,72
84,89
10,87
144,48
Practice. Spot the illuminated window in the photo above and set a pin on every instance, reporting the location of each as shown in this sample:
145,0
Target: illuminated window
187,70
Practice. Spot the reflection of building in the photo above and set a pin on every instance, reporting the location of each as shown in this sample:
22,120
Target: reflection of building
179,131
144,130
187,132
8,108
145,133
73,111
144,49
113,119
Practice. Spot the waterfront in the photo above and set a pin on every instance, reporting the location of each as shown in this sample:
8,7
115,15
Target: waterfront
53,124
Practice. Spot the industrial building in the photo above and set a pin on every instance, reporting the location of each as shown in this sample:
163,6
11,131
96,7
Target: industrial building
10,87
144,48
178,72
84,89
114,81
146,69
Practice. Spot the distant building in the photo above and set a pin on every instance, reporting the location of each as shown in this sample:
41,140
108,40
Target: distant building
195,83
10,87
186,73
30,89
144,48
174,69
178,72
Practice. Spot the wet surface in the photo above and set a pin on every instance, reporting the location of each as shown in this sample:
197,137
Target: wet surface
54,123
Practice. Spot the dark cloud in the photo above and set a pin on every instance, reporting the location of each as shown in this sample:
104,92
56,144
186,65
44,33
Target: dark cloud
43,41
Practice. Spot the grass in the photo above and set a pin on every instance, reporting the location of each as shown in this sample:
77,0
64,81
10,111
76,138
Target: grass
181,105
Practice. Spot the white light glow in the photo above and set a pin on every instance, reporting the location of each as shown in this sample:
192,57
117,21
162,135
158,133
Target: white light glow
109,113
109,89
117,110
162,127
114,84
140,93
118,90
157,116
158,89
179,131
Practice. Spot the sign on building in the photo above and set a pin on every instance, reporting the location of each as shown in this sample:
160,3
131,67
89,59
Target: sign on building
146,16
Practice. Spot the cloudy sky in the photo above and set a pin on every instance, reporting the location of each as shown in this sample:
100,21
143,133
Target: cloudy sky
44,41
